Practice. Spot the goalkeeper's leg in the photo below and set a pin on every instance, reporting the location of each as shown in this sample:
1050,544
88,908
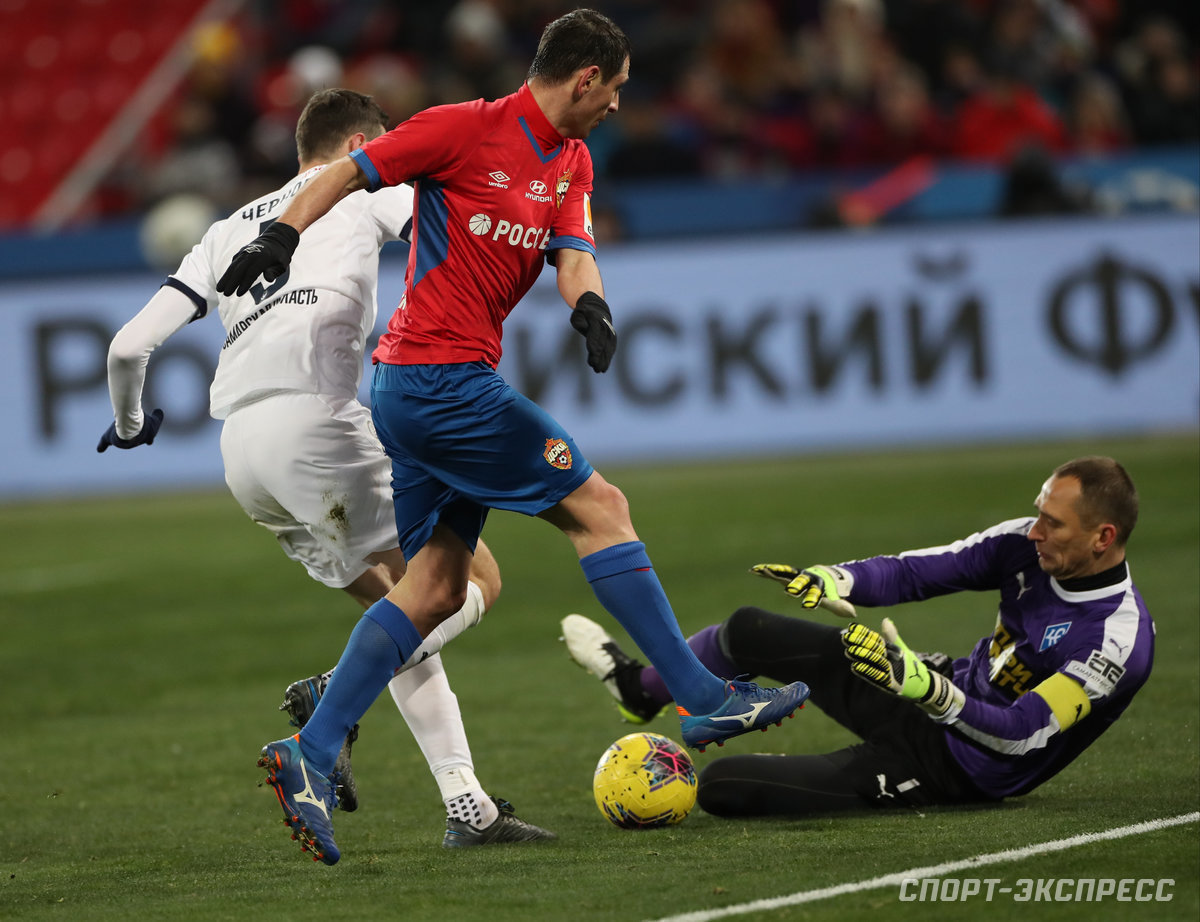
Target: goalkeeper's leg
858,777
751,642
762,643
903,764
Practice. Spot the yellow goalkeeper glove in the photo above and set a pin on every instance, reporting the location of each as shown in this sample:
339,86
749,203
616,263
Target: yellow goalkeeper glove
813,586
886,661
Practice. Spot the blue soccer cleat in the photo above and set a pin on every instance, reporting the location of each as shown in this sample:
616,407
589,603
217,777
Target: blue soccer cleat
747,707
300,700
306,796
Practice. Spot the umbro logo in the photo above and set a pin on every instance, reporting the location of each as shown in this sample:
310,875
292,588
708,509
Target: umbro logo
499,178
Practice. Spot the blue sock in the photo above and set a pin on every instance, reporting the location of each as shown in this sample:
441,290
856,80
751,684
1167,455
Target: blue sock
707,649
380,644
626,585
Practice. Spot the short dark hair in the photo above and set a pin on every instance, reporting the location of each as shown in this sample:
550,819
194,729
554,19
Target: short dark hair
579,39
330,116
1106,493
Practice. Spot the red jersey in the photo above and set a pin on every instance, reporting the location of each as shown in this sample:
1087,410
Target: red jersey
497,188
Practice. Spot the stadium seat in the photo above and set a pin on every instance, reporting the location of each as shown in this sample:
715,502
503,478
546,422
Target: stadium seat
68,68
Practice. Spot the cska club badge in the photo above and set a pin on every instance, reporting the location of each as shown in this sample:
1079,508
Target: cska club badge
558,454
561,187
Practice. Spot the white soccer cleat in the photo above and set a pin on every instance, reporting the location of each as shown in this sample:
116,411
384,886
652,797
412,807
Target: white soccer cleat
591,647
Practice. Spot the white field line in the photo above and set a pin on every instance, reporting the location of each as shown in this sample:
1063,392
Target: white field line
935,870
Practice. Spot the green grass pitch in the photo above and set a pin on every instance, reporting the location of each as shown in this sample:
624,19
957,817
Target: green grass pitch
145,643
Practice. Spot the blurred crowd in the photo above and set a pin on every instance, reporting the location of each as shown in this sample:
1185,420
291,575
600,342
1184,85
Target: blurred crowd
719,88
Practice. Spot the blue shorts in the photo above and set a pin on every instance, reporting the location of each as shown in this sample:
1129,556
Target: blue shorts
462,440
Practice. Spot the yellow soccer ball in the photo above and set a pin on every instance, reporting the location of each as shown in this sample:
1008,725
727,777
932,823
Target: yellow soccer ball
644,781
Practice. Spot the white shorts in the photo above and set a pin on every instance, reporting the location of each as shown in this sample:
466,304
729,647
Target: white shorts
310,470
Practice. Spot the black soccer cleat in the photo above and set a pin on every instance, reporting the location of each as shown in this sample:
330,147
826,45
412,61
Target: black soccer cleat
506,828
300,700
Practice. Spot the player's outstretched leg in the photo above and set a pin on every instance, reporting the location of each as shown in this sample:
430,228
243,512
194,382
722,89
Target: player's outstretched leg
507,827
747,707
306,796
300,700
591,647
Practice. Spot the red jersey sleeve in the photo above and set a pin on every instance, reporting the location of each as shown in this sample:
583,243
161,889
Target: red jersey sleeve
432,144
572,228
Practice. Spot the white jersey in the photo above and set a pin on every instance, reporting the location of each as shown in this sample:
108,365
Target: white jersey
306,331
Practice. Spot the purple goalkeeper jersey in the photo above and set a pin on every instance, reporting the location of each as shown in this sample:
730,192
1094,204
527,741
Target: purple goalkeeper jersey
1101,637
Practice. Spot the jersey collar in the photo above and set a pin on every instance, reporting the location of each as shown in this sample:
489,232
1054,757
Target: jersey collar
1097,586
544,137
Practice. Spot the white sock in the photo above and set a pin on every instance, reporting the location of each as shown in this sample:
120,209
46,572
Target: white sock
466,617
430,708
474,808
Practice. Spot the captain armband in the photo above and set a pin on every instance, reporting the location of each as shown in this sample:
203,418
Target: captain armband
1067,699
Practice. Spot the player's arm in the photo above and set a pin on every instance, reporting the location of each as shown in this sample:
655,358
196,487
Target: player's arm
1055,705
1052,707
821,585
580,286
979,562
884,660
577,273
322,192
128,357
270,253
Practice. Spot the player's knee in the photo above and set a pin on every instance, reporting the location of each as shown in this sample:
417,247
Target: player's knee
618,505
608,508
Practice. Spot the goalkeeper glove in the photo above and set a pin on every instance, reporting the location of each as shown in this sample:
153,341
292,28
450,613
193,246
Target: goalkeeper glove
813,586
146,437
886,661
268,255
593,319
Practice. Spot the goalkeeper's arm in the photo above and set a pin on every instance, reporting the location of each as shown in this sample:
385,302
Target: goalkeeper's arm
826,586
886,661
1053,706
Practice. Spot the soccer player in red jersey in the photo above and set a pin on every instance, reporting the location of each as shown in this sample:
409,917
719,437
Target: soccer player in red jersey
501,188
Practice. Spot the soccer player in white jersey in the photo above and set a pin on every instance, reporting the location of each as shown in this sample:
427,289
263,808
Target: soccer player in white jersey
300,452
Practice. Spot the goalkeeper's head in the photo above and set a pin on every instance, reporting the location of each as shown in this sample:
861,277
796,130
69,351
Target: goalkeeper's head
1086,512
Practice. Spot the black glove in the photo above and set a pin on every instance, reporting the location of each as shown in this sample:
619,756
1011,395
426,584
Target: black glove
150,426
267,255
593,319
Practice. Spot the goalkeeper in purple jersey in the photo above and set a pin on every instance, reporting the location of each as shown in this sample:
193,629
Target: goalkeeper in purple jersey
1072,644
